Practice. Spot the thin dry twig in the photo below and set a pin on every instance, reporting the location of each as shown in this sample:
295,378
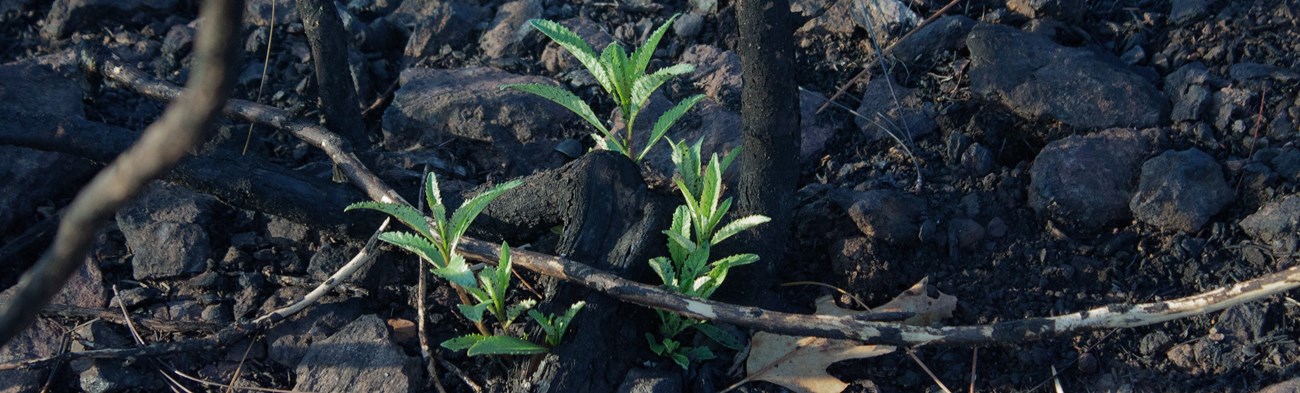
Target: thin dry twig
912,354
464,377
185,124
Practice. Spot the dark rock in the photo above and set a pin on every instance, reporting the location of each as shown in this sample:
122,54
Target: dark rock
651,381
1180,191
965,232
1085,182
134,297
282,232
871,272
175,46
1274,221
815,129
1192,104
1134,55
688,25
448,23
361,357
43,338
166,227
1287,164
717,73
67,16
1246,71
1184,11
85,288
923,48
978,160
1039,79
468,103
26,173
1231,102
718,127
107,375
1153,343
997,227
557,60
289,340
885,215
509,28
1058,9
889,108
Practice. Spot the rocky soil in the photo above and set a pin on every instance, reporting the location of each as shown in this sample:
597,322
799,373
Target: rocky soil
1031,157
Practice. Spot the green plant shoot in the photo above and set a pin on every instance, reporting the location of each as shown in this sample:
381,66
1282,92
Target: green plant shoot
624,78
695,229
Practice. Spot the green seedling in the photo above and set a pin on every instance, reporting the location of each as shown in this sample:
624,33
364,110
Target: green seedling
435,240
696,228
554,326
623,77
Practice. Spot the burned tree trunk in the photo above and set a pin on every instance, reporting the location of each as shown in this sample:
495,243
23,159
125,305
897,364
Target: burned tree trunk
338,98
770,115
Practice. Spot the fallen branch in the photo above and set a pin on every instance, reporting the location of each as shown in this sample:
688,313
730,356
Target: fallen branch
155,324
862,328
185,123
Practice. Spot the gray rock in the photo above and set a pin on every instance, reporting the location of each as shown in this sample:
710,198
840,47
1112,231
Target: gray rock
651,381
448,23
557,60
1287,164
85,288
889,18
1275,221
884,215
978,160
688,25
1288,386
1180,191
815,129
258,12
922,49
468,103
1229,103
1085,182
1038,79
1184,11
1191,104
359,358
67,16
283,232
717,72
509,28
965,232
289,341
106,375
166,227
1246,71
1059,9
910,117
43,338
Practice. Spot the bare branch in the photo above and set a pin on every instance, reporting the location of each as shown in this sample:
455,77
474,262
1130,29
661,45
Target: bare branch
185,123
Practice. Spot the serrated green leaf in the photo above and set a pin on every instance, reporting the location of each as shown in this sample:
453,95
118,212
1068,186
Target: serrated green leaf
563,97
616,64
544,321
692,206
641,56
473,313
457,271
416,244
517,309
577,47
667,119
682,241
681,360
736,260
682,225
737,226
645,85
699,353
718,215
433,197
462,342
404,213
470,210
711,189
503,268
664,268
731,156
504,345
720,336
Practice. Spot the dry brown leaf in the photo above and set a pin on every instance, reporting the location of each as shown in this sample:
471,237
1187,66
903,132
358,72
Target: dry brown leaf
917,300
799,363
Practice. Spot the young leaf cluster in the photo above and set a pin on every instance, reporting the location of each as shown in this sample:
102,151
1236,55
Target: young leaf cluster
435,240
623,77
696,228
